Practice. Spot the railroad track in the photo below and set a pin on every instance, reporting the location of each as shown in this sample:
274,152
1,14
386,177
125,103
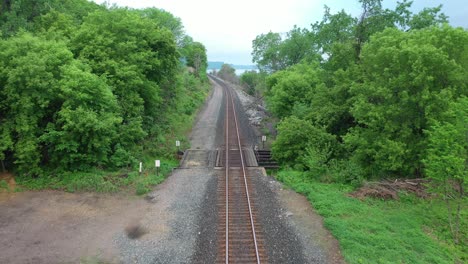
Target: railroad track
239,235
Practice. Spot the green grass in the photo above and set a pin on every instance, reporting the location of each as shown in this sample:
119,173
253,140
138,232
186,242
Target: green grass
410,230
101,181
4,185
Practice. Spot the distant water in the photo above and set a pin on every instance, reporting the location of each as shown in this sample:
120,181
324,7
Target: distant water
238,71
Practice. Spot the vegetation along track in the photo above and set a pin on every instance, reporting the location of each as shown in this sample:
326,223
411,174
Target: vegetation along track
239,235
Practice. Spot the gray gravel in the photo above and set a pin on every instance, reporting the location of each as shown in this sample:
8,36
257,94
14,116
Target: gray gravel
206,244
285,242
182,224
204,132
175,217
175,220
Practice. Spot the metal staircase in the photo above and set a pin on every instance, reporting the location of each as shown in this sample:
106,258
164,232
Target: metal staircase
264,159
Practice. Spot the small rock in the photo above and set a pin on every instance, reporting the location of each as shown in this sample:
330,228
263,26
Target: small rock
135,230
151,198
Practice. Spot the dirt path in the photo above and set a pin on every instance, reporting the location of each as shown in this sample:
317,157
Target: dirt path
206,127
59,227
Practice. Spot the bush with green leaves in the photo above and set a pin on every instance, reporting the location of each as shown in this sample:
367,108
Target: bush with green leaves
228,73
139,61
447,162
293,89
378,109
83,86
253,82
374,85
406,79
32,15
297,137
55,110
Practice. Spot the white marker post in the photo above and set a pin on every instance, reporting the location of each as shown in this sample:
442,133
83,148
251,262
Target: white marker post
157,164
177,143
141,168
263,142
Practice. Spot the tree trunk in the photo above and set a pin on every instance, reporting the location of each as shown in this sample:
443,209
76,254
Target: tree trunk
6,6
3,166
458,214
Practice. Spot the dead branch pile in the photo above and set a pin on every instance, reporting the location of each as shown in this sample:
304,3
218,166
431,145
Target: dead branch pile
389,189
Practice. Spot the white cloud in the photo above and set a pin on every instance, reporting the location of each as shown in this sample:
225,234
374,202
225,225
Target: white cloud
228,27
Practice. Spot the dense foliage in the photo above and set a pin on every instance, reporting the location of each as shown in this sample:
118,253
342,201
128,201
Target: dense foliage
374,84
253,82
228,73
382,95
84,86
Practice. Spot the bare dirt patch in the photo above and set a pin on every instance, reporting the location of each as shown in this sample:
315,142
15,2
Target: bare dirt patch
58,227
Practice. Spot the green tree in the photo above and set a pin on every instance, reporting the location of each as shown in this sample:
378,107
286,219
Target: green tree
299,45
166,20
85,127
253,82
55,25
196,58
290,91
29,78
428,17
447,161
266,52
22,14
139,60
45,93
228,73
297,137
333,29
406,79
272,53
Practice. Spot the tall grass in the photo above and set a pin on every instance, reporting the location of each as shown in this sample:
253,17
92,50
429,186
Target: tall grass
410,230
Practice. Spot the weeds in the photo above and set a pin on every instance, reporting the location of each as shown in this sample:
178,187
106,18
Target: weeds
411,230
4,185
99,181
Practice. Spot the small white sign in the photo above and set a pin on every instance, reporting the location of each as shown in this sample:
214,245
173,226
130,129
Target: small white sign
177,143
141,166
263,138
157,163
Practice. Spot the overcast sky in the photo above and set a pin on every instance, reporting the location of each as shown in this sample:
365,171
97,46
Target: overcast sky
227,28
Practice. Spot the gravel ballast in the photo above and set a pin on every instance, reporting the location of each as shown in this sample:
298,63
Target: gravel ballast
292,232
178,203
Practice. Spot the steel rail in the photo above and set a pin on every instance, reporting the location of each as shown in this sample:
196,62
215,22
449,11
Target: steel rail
245,179
227,181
